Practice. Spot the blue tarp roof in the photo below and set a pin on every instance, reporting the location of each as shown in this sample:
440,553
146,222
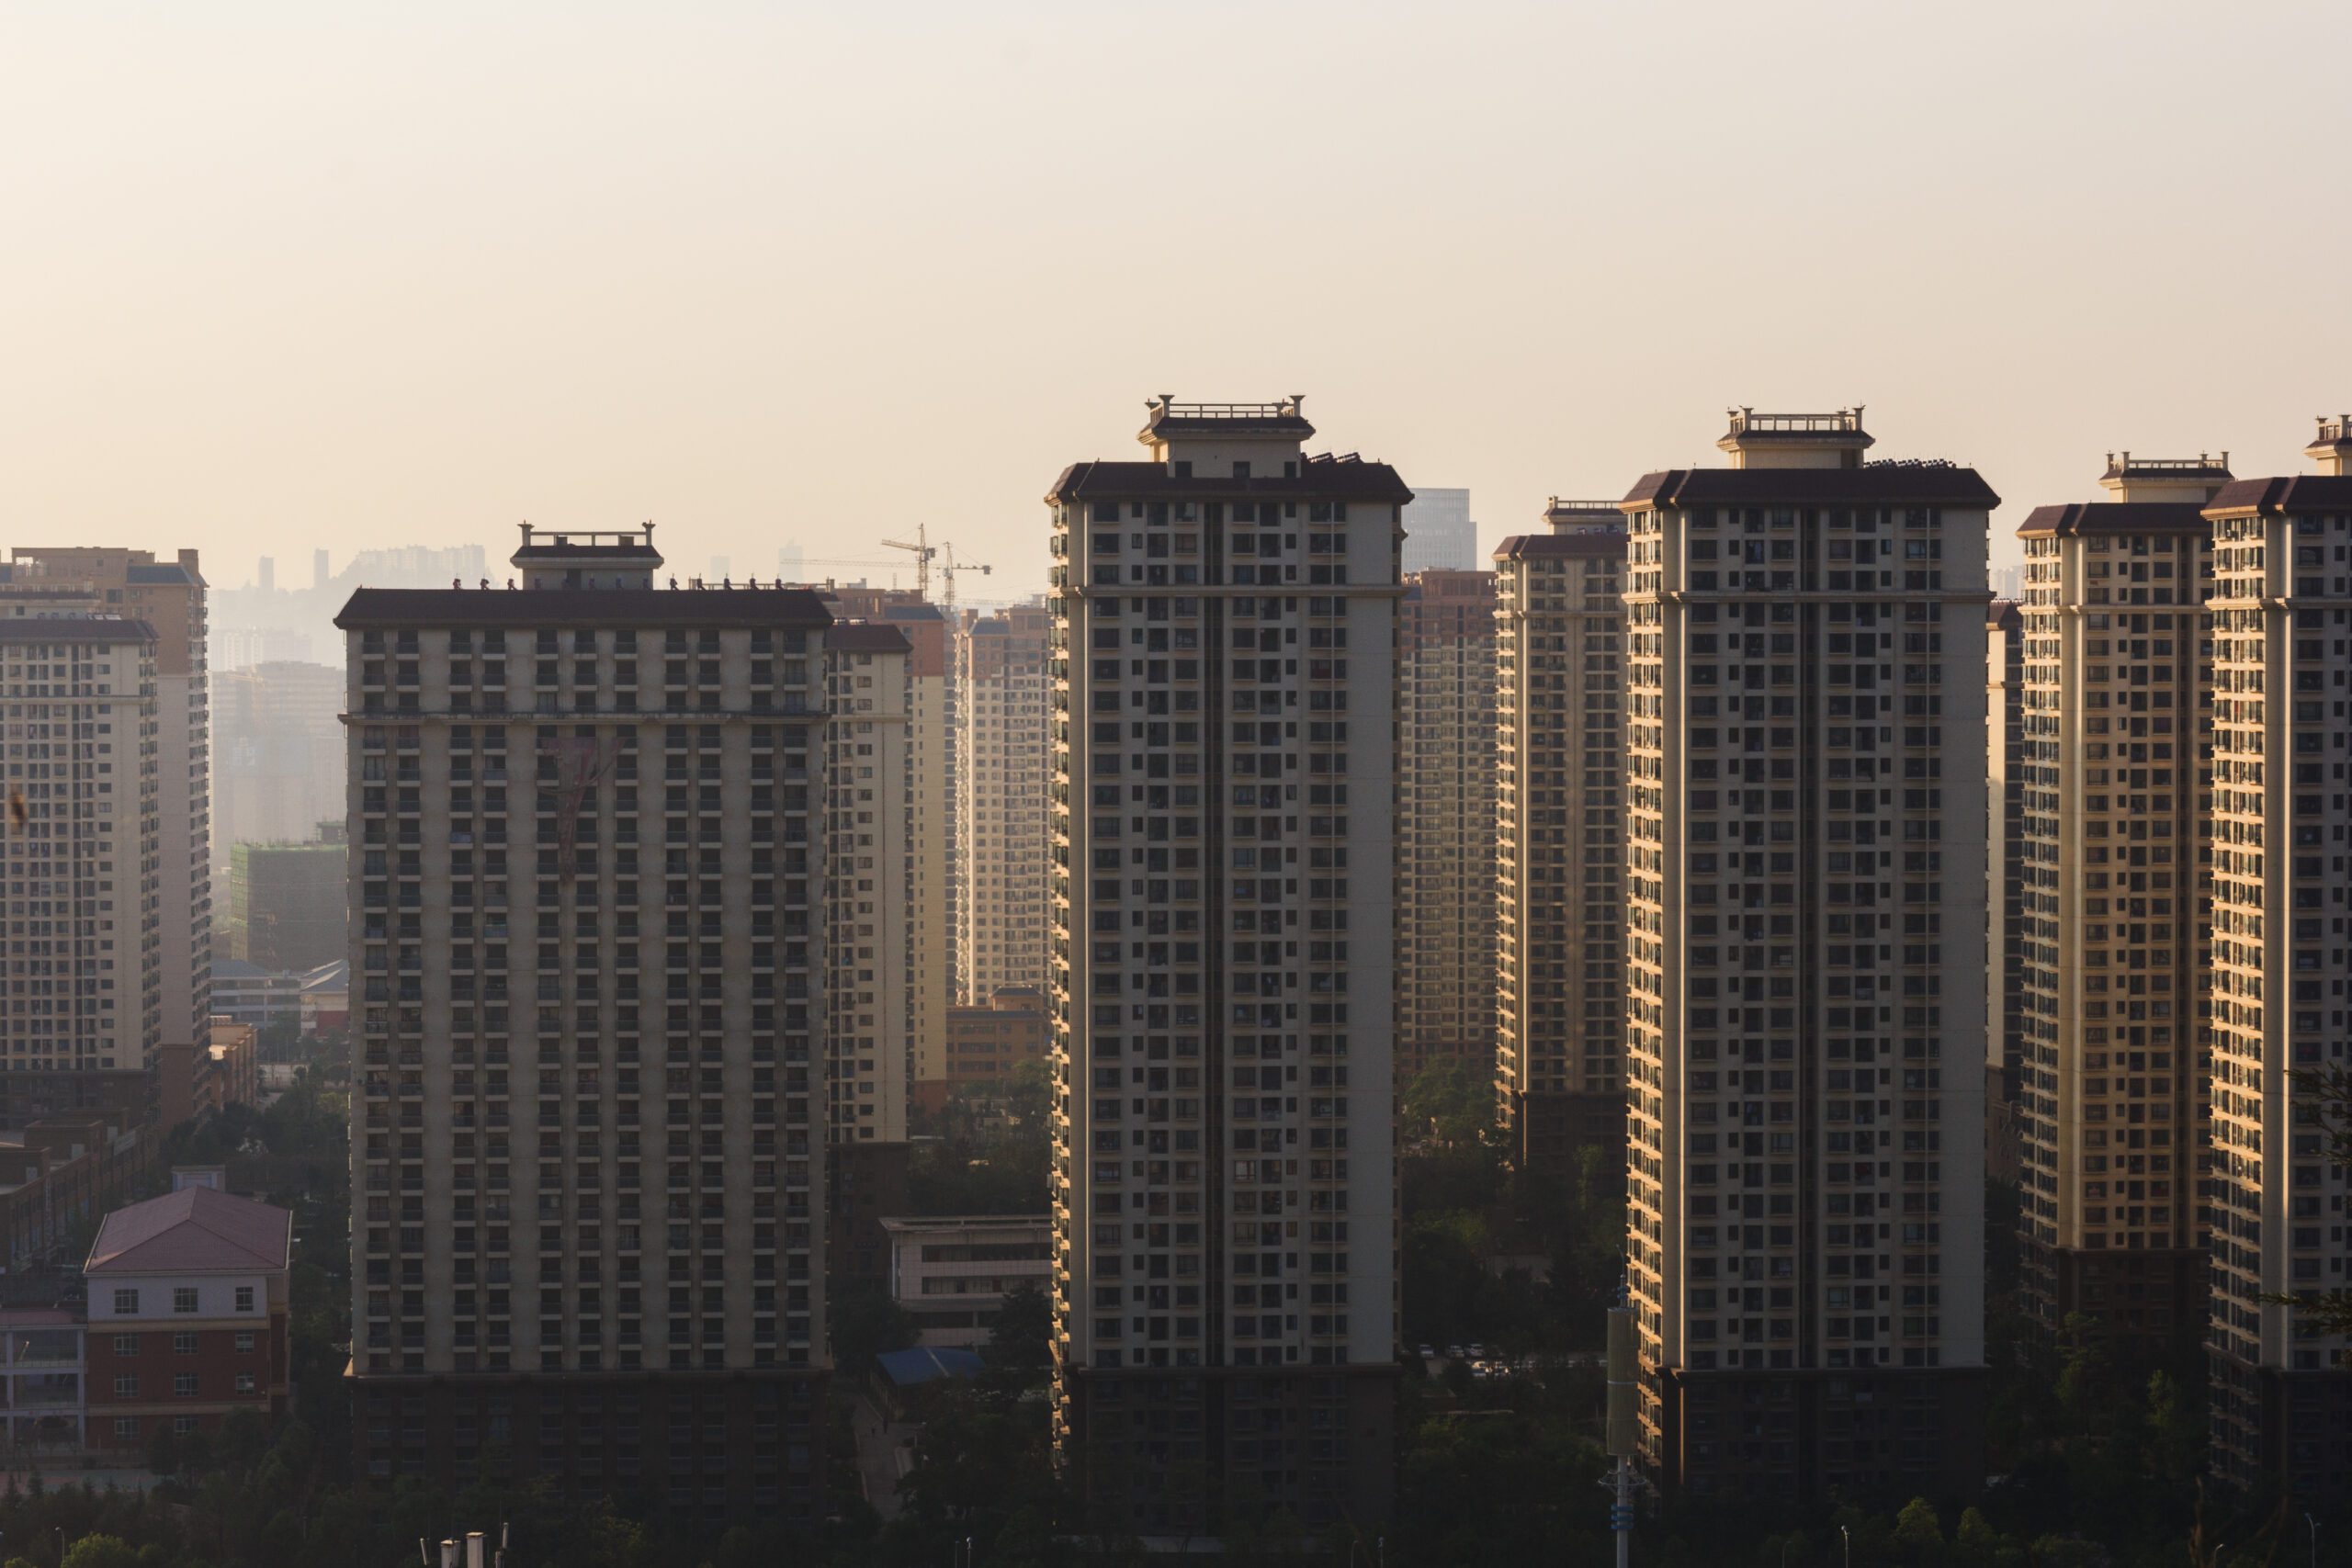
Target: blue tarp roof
921,1365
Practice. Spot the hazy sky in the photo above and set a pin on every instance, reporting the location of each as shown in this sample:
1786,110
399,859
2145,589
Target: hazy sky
279,275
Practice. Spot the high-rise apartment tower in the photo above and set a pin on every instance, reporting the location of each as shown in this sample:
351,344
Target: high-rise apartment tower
2281,618
1445,821
1225,1208
1004,766
1559,867
1805,1018
588,829
2111,918
169,596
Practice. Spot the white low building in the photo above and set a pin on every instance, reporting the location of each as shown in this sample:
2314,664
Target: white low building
952,1273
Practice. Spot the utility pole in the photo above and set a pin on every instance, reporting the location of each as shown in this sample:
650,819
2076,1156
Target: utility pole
1622,1430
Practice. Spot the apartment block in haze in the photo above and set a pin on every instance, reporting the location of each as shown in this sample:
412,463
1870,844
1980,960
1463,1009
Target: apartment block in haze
1559,868
105,584
1440,534
588,926
1445,821
2111,904
1003,770
1805,1018
286,904
277,754
1225,1207
2281,618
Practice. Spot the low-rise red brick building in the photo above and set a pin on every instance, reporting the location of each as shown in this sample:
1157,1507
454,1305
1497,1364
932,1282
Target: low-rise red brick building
187,1315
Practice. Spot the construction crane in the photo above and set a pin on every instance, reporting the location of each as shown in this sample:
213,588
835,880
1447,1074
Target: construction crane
923,549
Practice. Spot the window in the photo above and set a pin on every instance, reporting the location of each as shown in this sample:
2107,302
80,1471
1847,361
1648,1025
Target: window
126,1386
245,1383
126,1429
244,1298
183,1425
245,1341
184,1298
183,1344
184,1384
126,1303
126,1344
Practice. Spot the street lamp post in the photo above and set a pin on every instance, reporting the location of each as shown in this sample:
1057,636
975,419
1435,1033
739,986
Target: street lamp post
1849,1545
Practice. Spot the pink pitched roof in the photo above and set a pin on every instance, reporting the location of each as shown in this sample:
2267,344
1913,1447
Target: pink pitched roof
195,1230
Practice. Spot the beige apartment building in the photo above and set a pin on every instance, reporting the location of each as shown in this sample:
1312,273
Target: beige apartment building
1224,991
2282,619
1559,868
588,826
169,597
79,842
1005,764
869,882
2113,937
1805,1016
2005,862
1445,821
931,825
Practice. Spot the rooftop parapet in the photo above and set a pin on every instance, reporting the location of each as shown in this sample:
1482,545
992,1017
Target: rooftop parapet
1835,440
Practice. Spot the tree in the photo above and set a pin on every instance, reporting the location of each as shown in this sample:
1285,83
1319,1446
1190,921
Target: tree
1020,1338
101,1551
867,1323
1917,1530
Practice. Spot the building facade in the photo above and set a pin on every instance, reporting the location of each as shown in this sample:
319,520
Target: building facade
1445,821
169,597
82,856
188,1309
1559,837
1438,533
931,823
2004,861
870,883
1003,770
1224,1206
1806,1138
587,824
951,1274
277,754
2280,1400
986,1044
285,904
2112,905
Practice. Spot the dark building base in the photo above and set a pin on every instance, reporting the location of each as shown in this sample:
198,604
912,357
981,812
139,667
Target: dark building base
707,1447
125,1097
2279,1429
2151,1304
864,1183
1810,1437
1172,1453
1551,1132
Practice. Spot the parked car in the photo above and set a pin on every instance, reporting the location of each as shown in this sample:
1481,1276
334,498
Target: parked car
1426,1354
1455,1351
1477,1352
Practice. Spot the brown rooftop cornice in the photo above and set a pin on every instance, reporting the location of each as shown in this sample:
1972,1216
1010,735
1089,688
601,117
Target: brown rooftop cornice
2082,519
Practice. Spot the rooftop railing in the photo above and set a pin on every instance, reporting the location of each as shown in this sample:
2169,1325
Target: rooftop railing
1747,422
1166,407
2336,429
2124,463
